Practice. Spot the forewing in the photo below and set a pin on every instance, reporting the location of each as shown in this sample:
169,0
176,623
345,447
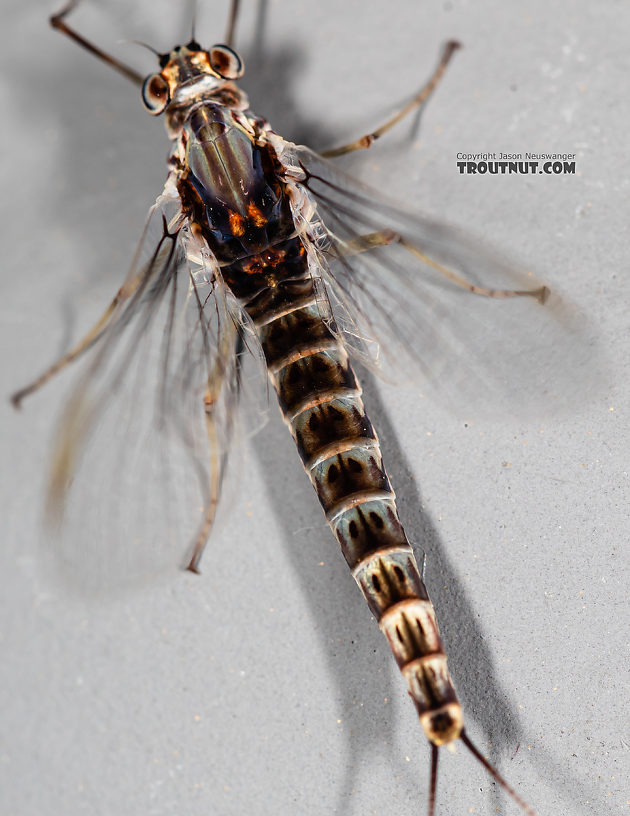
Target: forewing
142,447
401,306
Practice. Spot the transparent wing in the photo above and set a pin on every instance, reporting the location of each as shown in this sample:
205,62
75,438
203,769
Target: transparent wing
413,298
141,451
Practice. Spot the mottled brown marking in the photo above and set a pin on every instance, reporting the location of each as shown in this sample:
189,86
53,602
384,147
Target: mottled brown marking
362,532
309,376
316,428
384,568
347,479
301,330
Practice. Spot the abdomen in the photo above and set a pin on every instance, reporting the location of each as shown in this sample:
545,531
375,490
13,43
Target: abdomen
320,399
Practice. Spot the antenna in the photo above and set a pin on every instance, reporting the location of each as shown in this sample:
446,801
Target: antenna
229,35
193,25
143,45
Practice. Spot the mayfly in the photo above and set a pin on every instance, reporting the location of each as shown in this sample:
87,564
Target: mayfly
263,248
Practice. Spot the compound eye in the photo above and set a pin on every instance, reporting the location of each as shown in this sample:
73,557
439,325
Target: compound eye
225,62
155,94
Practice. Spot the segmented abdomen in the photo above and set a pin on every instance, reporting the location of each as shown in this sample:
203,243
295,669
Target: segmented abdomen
320,400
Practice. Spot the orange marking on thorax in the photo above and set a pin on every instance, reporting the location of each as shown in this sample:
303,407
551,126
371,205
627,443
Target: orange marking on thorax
256,215
237,223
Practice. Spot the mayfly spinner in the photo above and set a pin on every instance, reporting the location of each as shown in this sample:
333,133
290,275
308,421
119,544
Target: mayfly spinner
274,250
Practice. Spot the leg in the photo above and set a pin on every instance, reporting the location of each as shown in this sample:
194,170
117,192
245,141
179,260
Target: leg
365,243
371,240
540,294
216,468
95,333
58,21
218,440
419,99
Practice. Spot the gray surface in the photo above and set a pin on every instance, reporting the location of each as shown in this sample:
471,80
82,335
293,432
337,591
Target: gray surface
189,698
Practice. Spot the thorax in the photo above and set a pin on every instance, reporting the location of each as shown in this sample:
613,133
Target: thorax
231,186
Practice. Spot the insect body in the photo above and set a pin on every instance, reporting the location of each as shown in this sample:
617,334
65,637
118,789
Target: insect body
245,204
251,232
266,239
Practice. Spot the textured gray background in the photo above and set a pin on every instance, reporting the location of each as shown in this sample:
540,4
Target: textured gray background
188,697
